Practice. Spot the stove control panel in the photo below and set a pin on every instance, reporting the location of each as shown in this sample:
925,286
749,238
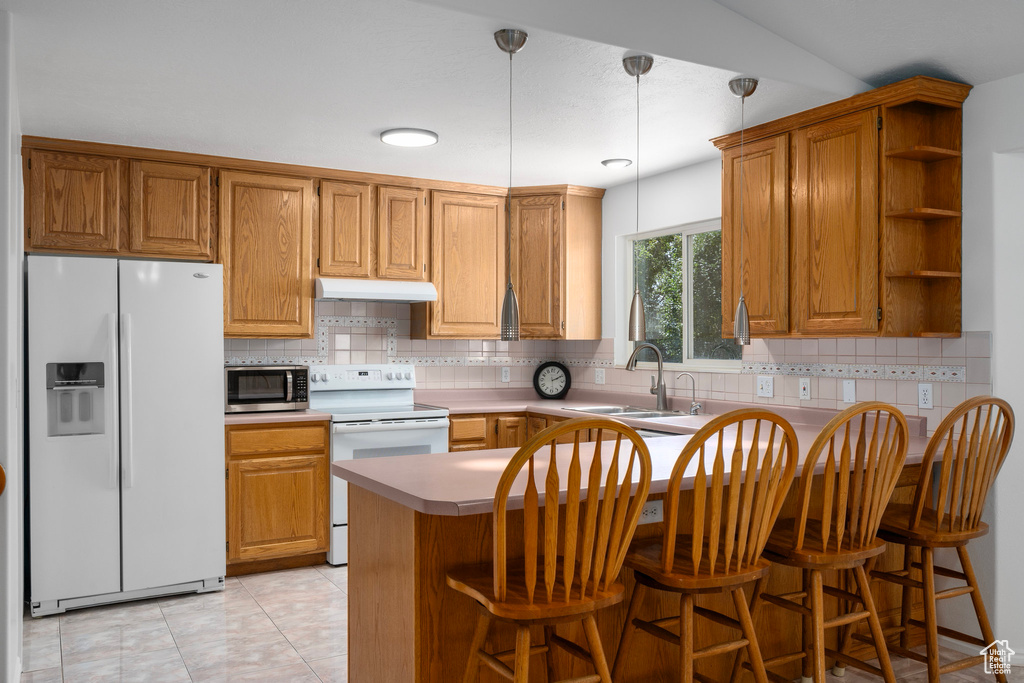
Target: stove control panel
362,377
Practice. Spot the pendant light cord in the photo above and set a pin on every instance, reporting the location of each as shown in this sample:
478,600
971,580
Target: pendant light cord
636,163
743,101
508,195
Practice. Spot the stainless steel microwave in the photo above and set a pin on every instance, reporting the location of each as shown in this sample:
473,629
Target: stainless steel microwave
258,388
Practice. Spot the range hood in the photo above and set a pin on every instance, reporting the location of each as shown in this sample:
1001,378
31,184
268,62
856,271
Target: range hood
395,291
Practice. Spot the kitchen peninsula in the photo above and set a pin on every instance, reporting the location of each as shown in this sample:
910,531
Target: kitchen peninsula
414,517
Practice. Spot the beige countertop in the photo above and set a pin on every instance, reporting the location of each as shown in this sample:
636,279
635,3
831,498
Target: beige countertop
459,484
275,416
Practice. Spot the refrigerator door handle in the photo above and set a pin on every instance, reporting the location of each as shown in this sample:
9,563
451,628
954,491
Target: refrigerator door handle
126,378
112,360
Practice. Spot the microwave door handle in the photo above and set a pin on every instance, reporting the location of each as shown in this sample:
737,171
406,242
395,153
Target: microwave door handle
126,378
112,369
288,386
364,427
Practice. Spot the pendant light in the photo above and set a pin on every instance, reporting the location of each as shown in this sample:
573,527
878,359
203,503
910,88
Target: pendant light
637,65
742,88
511,41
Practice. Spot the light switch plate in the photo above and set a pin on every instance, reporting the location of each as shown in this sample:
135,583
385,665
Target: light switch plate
506,374
805,388
599,376
849,391
765,386
925,398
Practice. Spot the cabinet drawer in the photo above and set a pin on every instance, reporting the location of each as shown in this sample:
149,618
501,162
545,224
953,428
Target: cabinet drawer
276,439
468,429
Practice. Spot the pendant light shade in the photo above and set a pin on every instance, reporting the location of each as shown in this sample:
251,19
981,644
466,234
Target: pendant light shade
742,88
637,66
509,40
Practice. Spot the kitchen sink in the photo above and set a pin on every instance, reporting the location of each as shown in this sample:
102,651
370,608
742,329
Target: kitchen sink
628,411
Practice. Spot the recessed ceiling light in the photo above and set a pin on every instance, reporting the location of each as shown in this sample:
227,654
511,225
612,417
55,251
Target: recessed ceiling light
617,163
408,137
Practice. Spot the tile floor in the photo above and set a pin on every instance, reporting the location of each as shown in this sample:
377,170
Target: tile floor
275,627
279,627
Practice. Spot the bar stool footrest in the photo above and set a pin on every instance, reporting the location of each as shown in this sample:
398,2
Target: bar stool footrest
784,603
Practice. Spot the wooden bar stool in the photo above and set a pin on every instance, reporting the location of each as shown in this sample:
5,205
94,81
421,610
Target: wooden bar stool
726,522
838,515
570,559
969,447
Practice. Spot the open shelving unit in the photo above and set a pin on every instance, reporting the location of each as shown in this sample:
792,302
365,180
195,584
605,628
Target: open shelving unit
921,219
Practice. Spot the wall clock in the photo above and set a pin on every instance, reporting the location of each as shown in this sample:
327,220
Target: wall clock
552,380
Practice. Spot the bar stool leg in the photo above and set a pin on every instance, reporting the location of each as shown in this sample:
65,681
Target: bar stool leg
876,627
818,625
686,638
806,633
479,636
549,657
979,604
596,650
906,606
743,614
522,667
755,610
930,624
627,632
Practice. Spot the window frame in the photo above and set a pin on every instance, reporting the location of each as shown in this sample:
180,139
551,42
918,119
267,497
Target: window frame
623,347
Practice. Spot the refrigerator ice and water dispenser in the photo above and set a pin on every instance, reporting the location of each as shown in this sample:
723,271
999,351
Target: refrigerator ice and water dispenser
74,398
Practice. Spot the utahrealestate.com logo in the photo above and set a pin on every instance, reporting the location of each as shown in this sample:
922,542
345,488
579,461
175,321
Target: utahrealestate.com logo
997,657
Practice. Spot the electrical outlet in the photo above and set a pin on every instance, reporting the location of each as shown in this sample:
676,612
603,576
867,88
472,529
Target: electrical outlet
805,388
651,512
506,374
849,391
599,376
765,386
924,395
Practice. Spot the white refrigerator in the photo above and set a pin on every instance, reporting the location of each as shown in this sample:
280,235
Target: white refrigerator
125,388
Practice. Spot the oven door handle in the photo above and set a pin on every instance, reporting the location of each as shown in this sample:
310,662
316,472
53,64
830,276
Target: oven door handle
362,427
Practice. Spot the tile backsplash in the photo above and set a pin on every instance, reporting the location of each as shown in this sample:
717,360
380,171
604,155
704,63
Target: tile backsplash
884,369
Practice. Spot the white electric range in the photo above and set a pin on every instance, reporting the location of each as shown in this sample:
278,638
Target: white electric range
372,415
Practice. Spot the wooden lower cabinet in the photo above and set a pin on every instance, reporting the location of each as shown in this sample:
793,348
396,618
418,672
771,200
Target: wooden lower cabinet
500,430
278,492
487,430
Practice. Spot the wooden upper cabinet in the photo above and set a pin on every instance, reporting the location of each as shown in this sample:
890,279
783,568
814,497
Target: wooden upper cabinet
835,226
169,213
468,237
74,202
347,238
402,243
266,243
867,208
765,235
556,261
538,264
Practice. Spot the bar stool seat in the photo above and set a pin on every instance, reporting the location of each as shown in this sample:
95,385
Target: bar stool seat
813,553
645,560
898,526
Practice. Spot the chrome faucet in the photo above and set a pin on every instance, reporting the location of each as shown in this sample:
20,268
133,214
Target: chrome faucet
694,405
657,386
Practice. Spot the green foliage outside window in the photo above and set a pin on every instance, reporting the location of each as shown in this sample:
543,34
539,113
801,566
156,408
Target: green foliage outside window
660,271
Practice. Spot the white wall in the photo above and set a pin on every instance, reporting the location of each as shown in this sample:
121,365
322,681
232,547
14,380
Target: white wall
993,178
686,195
11,250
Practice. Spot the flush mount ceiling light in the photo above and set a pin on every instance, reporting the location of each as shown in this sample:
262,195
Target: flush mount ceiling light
742,88
637,65
511,41
617,163
409,137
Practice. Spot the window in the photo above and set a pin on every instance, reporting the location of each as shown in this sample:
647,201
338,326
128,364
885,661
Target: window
679,273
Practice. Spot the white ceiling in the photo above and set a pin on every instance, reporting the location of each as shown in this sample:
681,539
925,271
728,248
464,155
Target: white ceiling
315,81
